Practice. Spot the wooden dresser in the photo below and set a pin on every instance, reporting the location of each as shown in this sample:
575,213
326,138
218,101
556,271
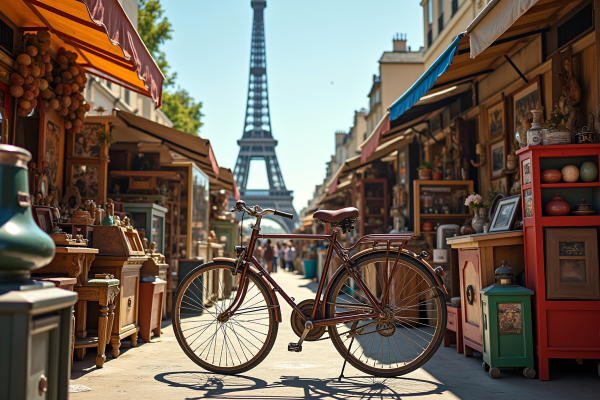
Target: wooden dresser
478,257
121,255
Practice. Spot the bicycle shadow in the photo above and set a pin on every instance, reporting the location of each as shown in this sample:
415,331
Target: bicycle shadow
355,387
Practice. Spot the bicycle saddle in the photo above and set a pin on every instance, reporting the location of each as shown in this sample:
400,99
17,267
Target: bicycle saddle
336,215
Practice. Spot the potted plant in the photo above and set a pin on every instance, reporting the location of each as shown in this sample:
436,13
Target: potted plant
478,205
437,174
425,170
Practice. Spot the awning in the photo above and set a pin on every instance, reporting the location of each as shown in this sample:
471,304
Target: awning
226,182
426,81
334,182
495,18
371,143
100,32
455,66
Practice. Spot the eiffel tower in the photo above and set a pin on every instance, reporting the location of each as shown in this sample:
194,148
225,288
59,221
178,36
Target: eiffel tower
257,142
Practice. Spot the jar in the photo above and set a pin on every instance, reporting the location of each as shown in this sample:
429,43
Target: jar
426,200
557,206
480,219
585,135
521,133
534,134
23,245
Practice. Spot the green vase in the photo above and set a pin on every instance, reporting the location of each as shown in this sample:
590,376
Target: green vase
23,245
588,172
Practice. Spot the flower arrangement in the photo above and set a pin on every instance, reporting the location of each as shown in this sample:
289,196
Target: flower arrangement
475,202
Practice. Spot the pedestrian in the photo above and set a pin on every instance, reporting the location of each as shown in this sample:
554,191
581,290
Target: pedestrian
268,255
275,256
290,256
281,255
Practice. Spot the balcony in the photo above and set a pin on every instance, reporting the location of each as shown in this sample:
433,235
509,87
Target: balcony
441,23
454,7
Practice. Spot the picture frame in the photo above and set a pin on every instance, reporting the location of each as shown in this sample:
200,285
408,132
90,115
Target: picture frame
501,185
506,213
528,203
527,171
496,119
528,97
572,268
43,217
497,157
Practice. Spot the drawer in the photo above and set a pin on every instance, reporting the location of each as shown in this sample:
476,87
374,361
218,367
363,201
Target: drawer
451,322
129,303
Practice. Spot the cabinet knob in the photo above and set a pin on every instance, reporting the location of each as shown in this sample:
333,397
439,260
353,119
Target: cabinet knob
129,302
43,384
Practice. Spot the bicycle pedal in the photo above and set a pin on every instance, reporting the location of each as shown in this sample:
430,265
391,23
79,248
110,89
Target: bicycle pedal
295,347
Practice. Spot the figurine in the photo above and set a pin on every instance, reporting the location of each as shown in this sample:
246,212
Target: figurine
109,219
480,151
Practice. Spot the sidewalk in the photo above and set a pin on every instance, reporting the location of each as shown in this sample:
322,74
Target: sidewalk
160,370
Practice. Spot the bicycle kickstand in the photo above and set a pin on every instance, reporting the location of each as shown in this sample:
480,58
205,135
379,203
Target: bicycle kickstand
348,352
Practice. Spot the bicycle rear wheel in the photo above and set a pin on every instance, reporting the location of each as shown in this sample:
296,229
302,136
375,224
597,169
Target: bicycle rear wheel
410,328
223,345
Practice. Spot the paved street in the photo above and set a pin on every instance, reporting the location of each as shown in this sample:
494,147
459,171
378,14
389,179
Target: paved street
160,370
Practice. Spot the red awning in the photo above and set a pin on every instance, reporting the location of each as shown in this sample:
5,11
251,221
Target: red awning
372,141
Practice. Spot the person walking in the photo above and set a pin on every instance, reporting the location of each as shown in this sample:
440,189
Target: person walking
275,256
281,255
290,256
268,255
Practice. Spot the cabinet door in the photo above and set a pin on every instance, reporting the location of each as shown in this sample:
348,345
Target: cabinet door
469,270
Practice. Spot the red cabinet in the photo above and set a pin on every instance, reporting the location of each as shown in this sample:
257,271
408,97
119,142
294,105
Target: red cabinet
568,327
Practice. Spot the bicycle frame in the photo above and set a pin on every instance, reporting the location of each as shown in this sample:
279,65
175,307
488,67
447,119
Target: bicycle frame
342,252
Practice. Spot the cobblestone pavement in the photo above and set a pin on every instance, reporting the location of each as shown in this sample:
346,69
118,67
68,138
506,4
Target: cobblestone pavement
160,370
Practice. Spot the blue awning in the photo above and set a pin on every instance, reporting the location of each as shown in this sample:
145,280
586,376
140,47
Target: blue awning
425,82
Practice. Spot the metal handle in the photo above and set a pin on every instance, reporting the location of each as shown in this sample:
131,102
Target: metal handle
283,214
129,302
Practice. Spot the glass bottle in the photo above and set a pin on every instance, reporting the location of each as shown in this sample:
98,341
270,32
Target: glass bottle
534,134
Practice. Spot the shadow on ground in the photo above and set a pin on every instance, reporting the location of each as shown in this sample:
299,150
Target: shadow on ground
360,387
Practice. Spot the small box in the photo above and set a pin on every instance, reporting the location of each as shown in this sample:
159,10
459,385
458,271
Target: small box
440,255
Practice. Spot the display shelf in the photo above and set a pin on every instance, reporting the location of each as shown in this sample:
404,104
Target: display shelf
565,328
444,216
369,190
568,185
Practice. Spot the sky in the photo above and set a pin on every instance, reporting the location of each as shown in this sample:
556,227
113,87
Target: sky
321,57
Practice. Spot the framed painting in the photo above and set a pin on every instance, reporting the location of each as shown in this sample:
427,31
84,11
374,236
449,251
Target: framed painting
528,203
497,158
527,171
510,319
496,119
87,163
525,99
500,184
506,214
43,217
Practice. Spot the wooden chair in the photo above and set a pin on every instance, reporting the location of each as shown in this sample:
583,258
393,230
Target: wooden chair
102,291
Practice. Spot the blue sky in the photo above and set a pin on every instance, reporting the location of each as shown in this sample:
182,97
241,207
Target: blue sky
321,56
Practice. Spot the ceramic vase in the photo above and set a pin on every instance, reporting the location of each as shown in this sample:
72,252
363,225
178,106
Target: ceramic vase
23,245
424,174
550,175
480,218
557,206
570,173
588,171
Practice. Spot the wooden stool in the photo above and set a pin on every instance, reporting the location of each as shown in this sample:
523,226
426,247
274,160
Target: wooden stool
454,333
152,294
104,292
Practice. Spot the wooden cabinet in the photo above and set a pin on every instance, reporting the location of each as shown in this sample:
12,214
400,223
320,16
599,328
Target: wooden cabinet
440,202
566,311
478,257
373,206
123,257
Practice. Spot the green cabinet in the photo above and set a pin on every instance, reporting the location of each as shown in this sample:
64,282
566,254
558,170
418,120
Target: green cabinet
507,328
227,233
151,218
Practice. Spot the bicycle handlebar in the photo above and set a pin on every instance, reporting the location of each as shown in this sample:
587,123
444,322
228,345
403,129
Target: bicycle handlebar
256,211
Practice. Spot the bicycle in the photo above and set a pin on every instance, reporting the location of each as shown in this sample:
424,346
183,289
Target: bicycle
389,300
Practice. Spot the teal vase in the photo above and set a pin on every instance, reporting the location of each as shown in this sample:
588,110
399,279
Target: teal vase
23,245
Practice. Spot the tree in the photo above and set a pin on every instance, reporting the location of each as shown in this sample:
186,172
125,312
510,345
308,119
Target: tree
179,106
185,113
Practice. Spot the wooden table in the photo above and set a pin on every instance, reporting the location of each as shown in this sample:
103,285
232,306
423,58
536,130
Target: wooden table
74,262
478,257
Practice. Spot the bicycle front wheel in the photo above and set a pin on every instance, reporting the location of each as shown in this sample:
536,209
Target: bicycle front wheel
408,331
223,345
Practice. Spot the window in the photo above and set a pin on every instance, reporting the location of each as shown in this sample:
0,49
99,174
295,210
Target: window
441,17
376,98
127,97
454,6
430,13
109,84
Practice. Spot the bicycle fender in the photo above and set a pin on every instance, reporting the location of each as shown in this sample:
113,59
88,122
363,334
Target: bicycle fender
265,281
